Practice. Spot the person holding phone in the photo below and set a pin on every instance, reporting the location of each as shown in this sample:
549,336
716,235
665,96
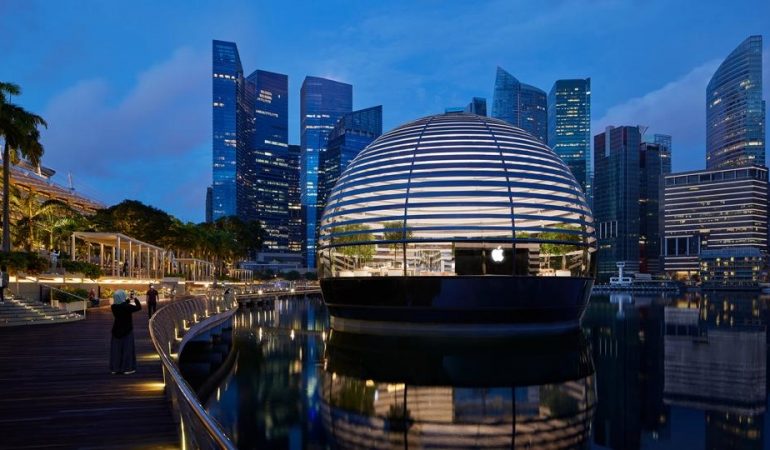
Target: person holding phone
122,347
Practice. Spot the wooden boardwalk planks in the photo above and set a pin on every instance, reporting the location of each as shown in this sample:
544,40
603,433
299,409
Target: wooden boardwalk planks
56,390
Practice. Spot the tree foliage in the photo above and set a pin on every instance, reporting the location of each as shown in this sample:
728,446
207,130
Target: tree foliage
21,135
352,234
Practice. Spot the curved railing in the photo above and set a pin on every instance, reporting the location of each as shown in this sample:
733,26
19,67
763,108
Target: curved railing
170,328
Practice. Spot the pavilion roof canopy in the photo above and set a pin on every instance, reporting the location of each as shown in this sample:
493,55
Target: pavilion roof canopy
117,240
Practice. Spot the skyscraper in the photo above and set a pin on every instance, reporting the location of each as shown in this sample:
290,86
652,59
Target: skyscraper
654,163
209,200
477,106
322,103
294,205
229,133
267,163
664,140
520,105
616,198
353,133
569,126
735,111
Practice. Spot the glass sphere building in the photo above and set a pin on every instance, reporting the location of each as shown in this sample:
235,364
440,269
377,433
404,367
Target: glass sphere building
456,219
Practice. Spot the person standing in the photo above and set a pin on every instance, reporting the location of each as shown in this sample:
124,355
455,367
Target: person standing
122,349
3,283
152,301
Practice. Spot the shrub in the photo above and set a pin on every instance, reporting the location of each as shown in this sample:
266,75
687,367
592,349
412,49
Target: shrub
30,263
88,270
64,298
106,292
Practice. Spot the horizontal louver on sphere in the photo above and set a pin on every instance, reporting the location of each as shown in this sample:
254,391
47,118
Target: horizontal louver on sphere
456,194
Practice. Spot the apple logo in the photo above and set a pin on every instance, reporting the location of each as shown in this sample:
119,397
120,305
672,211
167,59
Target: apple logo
497,255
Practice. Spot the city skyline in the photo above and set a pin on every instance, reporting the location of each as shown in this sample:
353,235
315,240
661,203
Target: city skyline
94,106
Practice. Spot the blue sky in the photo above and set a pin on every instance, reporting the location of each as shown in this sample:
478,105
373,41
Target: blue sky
125,86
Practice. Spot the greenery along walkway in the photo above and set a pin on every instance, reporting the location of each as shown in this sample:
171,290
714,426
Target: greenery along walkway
56,390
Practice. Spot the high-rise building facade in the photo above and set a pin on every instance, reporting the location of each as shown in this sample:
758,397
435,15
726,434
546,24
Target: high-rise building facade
353,133
477,106
654,163
322,103
712,209
664,141
209,204
521,105
616,198
735,111
294,205
229,132
569,126
267,162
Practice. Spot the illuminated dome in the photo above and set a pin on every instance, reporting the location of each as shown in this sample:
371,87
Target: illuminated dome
451,197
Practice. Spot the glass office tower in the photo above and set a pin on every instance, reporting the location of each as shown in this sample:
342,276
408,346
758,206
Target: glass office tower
477,106
616,198
569,126
229,133
520,104
267,164
735,111
352,134
654,164
295,208
322,103
209,204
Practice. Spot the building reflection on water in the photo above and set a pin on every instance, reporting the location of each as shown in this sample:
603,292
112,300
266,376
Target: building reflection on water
269,396
293,383
380,392
699,357
645,372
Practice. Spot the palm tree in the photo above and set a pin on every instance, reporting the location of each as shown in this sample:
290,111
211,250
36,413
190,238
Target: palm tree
6,90
19,129
32,214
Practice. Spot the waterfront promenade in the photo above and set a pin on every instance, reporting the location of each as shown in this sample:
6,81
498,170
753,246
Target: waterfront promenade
56,390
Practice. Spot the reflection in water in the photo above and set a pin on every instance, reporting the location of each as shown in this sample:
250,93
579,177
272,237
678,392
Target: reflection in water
671,372
716,361
516,393
699,357
294,384
269,398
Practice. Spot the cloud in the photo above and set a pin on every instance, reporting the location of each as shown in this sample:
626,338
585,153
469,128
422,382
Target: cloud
679,109
144,138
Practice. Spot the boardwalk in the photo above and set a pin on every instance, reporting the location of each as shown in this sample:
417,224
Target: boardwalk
56,390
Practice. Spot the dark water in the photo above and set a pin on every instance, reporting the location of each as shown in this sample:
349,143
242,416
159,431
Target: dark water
654,373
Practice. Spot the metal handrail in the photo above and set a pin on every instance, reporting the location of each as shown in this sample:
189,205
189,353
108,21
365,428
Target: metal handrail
213,429
172,376
83,299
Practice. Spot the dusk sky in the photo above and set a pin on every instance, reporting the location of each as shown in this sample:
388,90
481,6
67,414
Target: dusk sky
126,86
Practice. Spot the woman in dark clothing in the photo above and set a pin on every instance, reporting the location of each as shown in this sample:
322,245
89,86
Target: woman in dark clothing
122,350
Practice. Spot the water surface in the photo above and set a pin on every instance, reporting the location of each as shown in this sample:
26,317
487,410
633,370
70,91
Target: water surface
678,372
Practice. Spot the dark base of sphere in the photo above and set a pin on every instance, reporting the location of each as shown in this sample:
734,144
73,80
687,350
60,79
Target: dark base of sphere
473,305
